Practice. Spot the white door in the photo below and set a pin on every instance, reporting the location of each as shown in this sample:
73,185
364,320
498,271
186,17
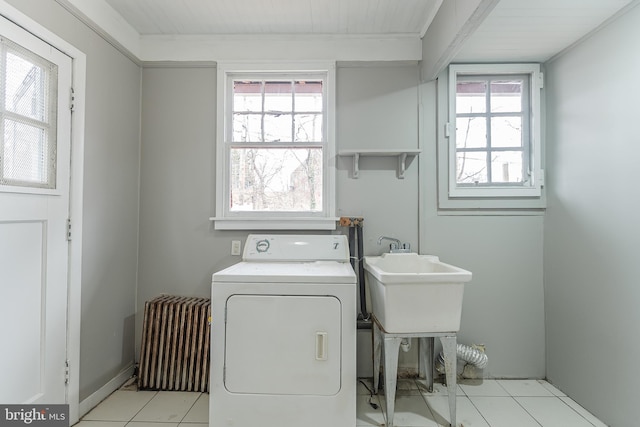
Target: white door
35,121
286,345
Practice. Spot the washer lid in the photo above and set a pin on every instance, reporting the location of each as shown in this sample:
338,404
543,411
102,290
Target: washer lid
287,272
307,247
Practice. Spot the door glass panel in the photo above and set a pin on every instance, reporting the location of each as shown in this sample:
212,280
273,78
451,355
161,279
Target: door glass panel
25,152
28,118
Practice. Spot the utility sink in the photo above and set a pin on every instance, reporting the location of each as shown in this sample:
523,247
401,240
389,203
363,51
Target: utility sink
415,293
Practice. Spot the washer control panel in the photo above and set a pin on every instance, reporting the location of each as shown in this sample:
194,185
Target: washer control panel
306,247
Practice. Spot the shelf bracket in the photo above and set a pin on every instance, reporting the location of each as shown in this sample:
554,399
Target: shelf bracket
356,166
402,165
402,156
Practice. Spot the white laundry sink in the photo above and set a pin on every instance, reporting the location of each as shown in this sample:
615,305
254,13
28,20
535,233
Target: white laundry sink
415,293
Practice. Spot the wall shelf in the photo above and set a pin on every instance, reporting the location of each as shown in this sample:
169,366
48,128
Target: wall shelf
372,152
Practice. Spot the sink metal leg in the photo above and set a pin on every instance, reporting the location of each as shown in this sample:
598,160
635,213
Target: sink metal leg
450,365
377,352
425,369
391,349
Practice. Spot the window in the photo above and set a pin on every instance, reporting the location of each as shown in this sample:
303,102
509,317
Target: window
27,118
275,148
494,132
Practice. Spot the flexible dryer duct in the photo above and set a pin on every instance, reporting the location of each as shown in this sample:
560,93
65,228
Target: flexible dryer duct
470,354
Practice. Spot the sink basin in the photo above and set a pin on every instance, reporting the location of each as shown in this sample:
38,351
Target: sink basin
415,293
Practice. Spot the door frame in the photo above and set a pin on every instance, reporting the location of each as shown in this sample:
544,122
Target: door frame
74,285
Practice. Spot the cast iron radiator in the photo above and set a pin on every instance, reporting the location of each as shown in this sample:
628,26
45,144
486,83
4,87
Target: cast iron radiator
174,354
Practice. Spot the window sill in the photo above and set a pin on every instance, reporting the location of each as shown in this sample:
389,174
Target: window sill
274,223
507,204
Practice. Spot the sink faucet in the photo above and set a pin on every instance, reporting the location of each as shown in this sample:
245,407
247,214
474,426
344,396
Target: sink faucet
396,245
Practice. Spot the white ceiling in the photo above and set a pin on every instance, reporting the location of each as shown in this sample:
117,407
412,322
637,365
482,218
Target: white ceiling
514,30
535,30
189,17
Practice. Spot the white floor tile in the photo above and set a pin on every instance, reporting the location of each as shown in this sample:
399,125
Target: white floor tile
483,388
466,414
481,409
199,412
167,406
586,414
552,412
525,388
120,406
151,424
366,415
407,387
101,424
410,411
556,391
503,412
438,389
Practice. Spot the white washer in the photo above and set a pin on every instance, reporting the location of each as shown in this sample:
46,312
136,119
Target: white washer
283,335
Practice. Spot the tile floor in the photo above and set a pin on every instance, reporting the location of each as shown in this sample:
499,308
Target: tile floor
487,403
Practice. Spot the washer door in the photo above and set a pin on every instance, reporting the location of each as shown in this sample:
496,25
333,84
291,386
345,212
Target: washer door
286,345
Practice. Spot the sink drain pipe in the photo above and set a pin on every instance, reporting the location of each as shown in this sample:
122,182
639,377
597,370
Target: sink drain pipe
470,354
356,256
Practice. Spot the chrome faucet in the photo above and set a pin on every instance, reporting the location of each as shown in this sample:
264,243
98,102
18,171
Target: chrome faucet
396,245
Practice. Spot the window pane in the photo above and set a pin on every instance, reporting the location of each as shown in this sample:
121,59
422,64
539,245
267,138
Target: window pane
471,97
276,179
506,166
278,96
471,132
308,97
308,127
506,131
278,127
471,167
247,96
247,128
506,96
25,155
25,87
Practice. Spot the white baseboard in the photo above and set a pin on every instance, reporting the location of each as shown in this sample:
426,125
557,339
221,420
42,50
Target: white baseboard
103,392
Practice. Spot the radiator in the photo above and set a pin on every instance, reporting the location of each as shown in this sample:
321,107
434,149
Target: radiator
174,354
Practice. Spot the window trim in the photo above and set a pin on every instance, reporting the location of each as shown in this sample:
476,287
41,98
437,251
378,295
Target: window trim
227,220
506,196
48,124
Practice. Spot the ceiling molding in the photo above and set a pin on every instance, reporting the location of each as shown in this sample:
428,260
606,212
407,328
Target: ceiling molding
398,47
454,23
110,25
107,23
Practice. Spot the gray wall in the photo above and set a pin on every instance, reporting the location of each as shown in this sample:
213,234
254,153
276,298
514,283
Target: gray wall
178,248
591,230
111,168
377,107
503,305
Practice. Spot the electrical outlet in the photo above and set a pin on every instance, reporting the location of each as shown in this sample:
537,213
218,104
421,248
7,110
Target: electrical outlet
235,247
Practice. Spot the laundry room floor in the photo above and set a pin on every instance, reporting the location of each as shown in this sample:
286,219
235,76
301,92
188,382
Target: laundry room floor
486,403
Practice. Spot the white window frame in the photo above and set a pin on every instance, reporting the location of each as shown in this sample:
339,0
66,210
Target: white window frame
227,220
48,124
529,195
